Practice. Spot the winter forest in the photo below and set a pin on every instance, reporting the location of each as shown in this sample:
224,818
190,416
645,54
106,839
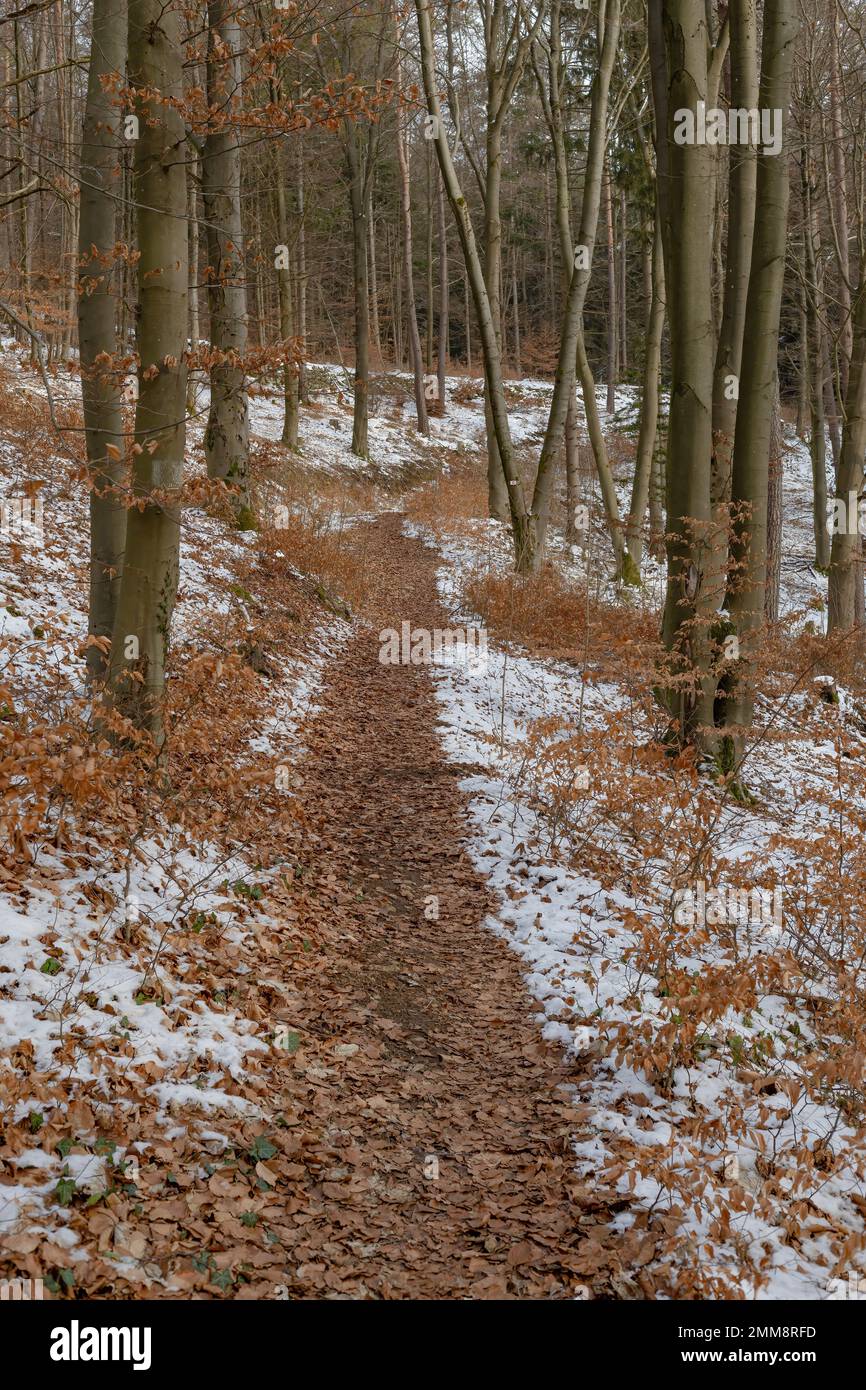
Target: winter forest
432,653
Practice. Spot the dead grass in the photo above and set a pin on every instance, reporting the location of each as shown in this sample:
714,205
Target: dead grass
553,618
448,502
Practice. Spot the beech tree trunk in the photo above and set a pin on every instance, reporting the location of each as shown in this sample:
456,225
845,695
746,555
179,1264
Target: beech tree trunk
302,278
358,203
815,358
846,556
444,310
287,318
649,408
840,200
679,55
760,352
571,348
194,378
150,573
374,277
520,520
775,484
612,316
497,490
227,435
101,391
408,272
741,221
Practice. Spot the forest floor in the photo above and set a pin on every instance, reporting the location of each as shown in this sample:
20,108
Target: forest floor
456,1116
384,999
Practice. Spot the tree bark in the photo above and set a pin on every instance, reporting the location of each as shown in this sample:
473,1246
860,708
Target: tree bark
520,520
150,573
649,409
444,311
749,484
775,484
571,348
226,438
358,202
680,81
101,392
374,277
846,557
497,490
612,316
815,357
302,279
408,270
287,318
840,200
194,377
741,221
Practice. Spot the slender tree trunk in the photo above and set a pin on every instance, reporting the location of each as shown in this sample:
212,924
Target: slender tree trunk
150,573
749,486
287,324
802,363
374,277
840,199
846,557
657,505
828,379
612,318
408,271
397,302
24,249
623,287
428,335
515,307
572,471
572,348
497,487
649,411
444,311
97,334
597,441
775,483
741,221
226,438
815,355
360,444
302,282
521,525
194,316
679,64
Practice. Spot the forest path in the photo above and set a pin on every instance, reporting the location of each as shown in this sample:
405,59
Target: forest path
446,1116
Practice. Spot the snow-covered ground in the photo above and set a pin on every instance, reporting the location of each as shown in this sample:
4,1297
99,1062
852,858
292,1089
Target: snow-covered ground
698,1145
684,1147
100,991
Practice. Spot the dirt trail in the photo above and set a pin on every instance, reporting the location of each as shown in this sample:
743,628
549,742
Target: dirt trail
446,1117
